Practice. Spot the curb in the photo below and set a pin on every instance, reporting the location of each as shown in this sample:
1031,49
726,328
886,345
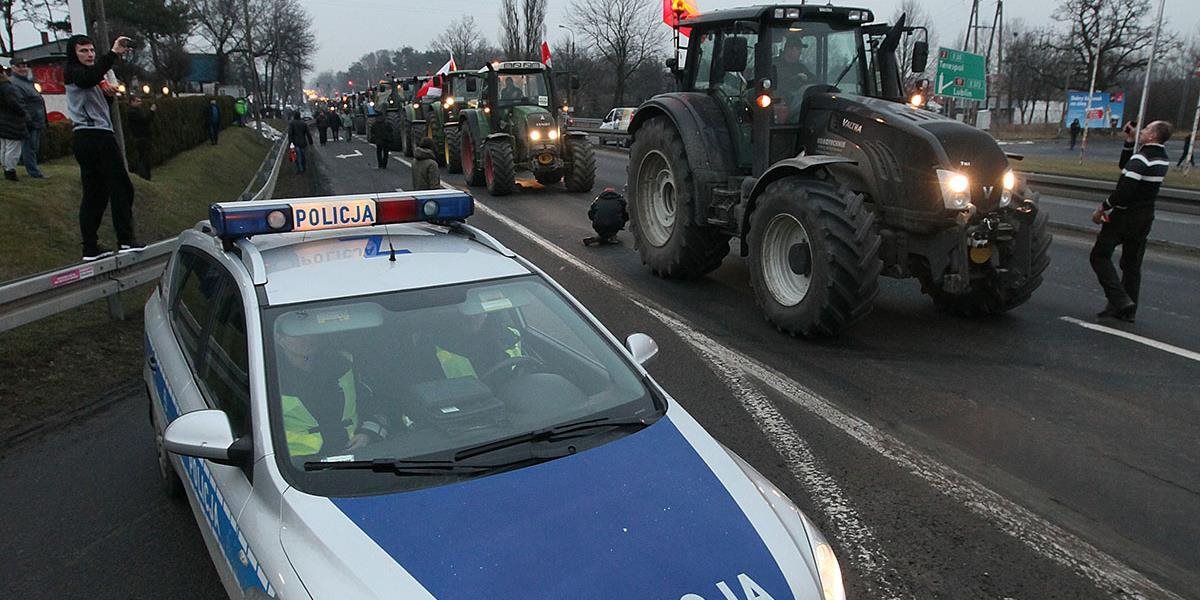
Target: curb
13,438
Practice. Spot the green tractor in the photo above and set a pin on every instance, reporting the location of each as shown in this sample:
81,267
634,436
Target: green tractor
394,101
791,132
436,116
517,128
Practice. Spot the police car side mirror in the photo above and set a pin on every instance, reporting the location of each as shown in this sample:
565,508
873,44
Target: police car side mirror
642,347
204,434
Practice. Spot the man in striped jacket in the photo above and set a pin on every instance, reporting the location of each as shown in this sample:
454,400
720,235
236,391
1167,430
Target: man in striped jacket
1125,219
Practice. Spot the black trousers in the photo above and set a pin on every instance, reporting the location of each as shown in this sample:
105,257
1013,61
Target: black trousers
142,167
104,180
324,134
1129,230
381,155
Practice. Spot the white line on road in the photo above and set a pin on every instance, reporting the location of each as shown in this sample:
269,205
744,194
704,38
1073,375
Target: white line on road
1165,347
1042,536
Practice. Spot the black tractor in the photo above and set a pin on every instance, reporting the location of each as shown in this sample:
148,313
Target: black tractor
518,128
791,132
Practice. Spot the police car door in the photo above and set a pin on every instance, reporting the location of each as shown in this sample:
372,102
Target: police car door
209,325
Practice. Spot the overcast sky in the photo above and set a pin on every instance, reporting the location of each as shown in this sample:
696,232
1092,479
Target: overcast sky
347,29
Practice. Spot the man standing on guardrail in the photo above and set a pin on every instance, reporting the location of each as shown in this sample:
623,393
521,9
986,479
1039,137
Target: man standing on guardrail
1125,219
101,168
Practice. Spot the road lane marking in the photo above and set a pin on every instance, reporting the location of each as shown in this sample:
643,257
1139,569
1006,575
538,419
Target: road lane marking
356,154
1165,347
1042,536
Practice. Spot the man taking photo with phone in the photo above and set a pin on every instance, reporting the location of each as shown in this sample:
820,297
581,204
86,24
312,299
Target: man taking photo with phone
1126,216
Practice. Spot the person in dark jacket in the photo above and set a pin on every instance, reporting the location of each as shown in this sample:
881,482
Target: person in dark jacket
1075,128
608,214
14,126
141,118
335,124
425,168
381,136
101,166
322,123
35,107
212,120
301,138
1125,219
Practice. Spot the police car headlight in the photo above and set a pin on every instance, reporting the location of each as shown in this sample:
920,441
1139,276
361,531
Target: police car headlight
956,189
828,569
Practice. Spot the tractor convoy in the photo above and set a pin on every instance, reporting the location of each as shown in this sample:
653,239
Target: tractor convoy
789,131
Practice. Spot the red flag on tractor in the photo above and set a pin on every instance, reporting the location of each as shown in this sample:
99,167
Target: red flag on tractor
546,54
677,10
434,85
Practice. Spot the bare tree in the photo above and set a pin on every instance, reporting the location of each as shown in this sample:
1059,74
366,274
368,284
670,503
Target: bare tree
510,29
533,29
915,15
624,33
10,15
218,23
461,39
1116,33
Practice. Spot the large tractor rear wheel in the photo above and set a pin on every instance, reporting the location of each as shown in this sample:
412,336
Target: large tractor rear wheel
581,173
472,163
988,296
660,207
454,150
498,169
399,136
814,258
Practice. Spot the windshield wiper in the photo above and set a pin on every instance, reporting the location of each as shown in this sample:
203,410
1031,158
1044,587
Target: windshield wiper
400,466
846,70
550,434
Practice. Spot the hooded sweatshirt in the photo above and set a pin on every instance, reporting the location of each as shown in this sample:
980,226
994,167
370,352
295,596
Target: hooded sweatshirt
425,170
87,105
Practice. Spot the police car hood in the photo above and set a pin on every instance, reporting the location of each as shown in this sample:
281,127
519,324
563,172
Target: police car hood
662,513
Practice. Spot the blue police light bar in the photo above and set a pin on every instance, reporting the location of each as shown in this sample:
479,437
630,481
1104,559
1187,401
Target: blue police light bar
234,220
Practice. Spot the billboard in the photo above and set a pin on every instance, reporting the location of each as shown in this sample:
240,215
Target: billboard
1105,108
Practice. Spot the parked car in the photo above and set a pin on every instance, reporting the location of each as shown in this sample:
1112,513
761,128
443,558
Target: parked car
617,120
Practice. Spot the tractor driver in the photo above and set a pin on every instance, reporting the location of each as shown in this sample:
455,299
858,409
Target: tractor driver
791,75
511,91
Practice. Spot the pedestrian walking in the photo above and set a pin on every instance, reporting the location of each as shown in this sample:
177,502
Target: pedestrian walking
608,214
213,121
141,118
14,126
240,108
425,168
101,168
1125,219
300,138
381,136
322,126
335,124
35,107
1187,145
1075,128
347,125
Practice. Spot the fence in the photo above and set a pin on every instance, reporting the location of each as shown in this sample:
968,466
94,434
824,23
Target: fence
33,298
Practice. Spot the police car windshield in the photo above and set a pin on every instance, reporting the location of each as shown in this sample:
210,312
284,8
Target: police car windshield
414,374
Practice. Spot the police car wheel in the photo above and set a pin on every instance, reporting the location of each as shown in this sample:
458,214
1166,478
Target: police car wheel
171,484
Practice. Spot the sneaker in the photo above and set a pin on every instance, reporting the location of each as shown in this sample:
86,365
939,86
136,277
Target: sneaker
1127,314
96,253
131,247
10,175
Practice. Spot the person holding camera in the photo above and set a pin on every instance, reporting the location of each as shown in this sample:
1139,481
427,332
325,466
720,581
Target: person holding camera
101,167
1125,219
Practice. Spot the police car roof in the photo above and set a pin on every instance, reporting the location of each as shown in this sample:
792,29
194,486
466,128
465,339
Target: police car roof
302,267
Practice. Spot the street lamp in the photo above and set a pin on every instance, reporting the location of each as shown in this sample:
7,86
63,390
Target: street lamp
146,89
166,91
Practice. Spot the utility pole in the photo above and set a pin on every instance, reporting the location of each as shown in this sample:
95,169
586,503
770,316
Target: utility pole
1195,121
1141,118
1088,108
253,67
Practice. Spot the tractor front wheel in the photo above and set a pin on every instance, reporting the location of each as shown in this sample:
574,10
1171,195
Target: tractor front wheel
396,120
660,207
581,173
472,165
454,150
814,259
498,169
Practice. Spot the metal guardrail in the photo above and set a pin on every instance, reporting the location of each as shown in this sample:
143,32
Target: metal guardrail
32,298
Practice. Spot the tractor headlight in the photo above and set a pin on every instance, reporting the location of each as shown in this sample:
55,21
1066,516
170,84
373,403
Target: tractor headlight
956,194
1010,180
553,135
535,135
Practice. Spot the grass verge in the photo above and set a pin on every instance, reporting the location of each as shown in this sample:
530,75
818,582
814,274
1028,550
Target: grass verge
39,226
1100,170
62,364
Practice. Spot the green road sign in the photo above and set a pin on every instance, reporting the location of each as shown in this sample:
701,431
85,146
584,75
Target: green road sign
961,75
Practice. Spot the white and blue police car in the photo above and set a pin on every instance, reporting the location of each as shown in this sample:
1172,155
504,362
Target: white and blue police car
365,397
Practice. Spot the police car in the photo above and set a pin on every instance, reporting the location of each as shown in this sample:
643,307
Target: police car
365,397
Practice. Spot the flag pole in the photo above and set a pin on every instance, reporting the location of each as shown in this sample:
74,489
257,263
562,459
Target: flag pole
1137,135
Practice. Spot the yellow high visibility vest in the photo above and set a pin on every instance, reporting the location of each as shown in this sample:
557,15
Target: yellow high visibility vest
457,365
303,437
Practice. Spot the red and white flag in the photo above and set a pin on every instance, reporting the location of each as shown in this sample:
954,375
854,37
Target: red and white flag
433,86
677,10
546,54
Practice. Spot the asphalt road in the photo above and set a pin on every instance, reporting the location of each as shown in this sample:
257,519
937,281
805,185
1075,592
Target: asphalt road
1023,456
